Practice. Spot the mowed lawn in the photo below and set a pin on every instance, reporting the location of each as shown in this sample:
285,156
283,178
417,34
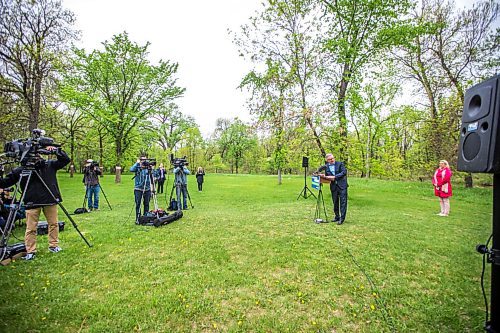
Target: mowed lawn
249,258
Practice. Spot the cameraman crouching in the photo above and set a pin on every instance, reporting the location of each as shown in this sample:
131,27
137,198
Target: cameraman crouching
38,198
91,175
142,186
180,173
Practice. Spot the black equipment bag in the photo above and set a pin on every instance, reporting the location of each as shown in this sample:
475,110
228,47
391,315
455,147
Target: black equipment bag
149,218
173,205
168,218
43,227
81,210
16,250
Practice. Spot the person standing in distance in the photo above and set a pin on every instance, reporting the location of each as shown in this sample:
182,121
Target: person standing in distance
200,174
442,186
38,198
160,177
336,172
91,175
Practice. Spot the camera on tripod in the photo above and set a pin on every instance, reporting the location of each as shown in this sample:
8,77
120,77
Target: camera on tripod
92,164
28,151
148,163
178,162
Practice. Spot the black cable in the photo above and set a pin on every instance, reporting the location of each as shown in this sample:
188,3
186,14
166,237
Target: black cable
378,298
482,282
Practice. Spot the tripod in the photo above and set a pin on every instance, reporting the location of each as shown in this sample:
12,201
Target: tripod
86,196
151,183
178,186
306,192
320,201
16,206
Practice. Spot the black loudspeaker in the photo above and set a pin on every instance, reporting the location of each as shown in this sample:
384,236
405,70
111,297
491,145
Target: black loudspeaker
479,146
305,161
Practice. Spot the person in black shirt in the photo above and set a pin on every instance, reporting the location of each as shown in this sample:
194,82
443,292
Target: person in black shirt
160,178
200,174
38,198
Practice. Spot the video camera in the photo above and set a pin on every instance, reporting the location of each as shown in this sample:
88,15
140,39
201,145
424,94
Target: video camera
28,151
148,163
92,165
178,161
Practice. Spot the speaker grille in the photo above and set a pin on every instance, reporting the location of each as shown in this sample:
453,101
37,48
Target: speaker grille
471,146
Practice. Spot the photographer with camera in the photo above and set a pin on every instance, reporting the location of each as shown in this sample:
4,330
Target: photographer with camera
91,175
38,197
180,172
142,186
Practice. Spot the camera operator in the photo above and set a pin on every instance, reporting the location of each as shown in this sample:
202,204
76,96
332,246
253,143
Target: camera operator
142,186
180,172
38,198
91,175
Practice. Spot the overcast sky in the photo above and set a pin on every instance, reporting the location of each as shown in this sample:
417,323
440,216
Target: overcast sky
192,33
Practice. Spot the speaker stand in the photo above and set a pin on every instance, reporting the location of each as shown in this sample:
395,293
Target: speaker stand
306,192
493,257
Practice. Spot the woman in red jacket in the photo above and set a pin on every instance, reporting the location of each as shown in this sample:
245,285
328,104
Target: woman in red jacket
442,186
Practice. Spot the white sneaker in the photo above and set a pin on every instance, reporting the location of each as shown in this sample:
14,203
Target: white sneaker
28,256
55,249
442,214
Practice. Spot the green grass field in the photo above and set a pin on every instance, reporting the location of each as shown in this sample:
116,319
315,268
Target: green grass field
249,258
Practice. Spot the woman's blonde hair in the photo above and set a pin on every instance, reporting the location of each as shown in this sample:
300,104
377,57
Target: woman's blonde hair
200,169
445,162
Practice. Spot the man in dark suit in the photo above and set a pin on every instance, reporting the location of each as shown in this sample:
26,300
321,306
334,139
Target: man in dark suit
336,172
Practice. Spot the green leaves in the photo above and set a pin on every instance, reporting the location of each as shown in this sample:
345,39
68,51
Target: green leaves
121,87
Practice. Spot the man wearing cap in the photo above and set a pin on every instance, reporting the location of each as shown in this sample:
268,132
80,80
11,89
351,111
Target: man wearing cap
91,180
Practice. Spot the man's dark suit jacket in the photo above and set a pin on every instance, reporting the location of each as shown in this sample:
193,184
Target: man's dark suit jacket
340,175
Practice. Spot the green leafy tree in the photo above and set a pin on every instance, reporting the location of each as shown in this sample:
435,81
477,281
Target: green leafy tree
234,141
359,31
122,88
270,102
33,34
284,37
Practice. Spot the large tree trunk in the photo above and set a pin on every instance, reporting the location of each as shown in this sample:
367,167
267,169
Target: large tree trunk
342,119
72,154
118,168
35,112
101,154
279,176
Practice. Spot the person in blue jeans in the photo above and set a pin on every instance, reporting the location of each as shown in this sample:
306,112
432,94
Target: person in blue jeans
142,186
181,172
91,175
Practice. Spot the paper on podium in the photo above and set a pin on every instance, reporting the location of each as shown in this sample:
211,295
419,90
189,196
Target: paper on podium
324,180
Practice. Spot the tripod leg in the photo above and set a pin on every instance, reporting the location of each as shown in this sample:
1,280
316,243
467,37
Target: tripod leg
62,207
86,196
189,197
310,192
105,197
324,209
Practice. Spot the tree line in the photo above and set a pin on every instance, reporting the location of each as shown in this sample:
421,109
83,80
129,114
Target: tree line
380,83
